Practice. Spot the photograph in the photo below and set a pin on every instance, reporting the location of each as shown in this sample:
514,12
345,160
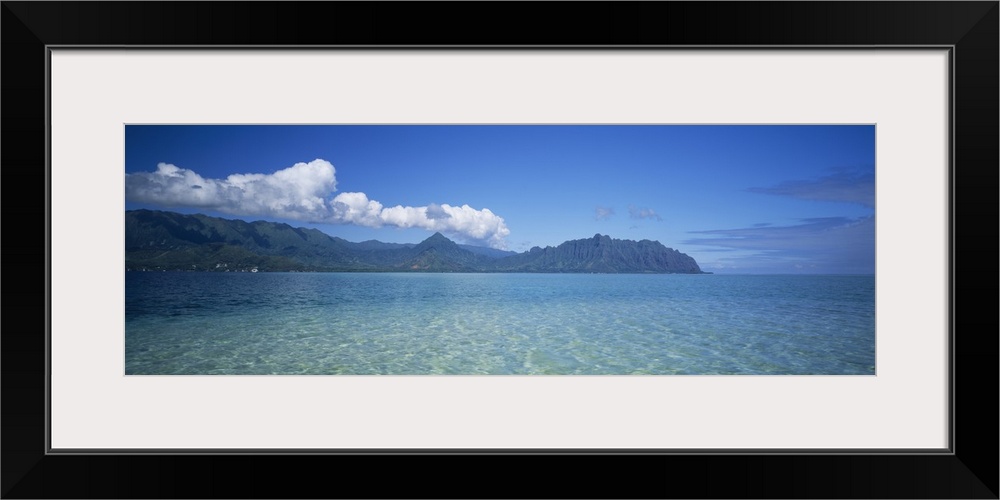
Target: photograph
639,239
477,249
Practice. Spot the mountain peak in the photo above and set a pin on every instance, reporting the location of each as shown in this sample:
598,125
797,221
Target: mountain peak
435,240
173,241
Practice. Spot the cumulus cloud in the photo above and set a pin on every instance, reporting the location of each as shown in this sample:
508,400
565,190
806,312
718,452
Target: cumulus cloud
435,211
603,213
476,226
643,213
296,192
356,208
301,192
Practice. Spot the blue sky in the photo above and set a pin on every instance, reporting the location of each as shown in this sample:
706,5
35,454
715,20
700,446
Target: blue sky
739,199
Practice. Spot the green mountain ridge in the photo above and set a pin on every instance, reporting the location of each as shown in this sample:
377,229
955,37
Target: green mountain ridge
160,241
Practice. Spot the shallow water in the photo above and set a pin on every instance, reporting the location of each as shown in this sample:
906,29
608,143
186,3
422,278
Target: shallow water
511,324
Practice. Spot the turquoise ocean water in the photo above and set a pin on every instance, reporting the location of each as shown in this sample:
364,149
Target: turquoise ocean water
505,324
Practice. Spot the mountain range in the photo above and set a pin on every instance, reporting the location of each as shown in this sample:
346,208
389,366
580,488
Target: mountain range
159,240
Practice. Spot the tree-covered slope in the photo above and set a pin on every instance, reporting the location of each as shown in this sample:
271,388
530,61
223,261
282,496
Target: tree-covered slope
156,240
602,254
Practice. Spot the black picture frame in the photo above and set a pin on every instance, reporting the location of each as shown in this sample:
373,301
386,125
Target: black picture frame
970,470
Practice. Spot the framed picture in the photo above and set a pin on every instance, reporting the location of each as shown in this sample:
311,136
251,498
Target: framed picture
870,405
516,278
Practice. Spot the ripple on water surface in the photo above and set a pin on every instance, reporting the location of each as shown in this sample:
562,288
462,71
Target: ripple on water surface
509,324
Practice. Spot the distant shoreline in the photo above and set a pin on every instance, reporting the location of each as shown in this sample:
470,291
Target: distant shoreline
161,240
398,271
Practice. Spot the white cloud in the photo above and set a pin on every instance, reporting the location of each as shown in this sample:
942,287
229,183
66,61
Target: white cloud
300,192
296,192
434,211
477,226
356,208
603,213
643,213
